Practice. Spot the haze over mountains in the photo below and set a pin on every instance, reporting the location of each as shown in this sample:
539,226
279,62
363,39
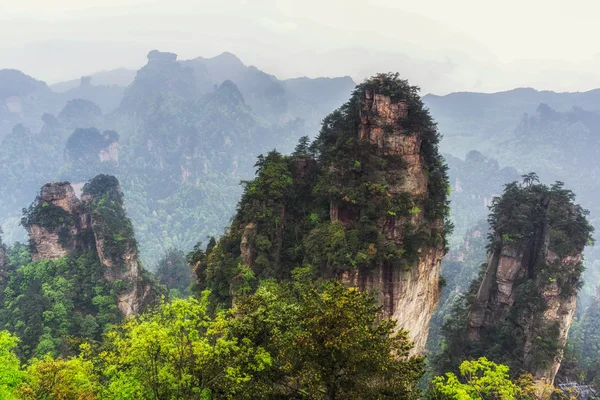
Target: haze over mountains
275,199
441,47
495,124
180,135
184,131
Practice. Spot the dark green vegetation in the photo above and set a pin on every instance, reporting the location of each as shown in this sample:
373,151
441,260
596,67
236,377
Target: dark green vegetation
293,333
555,134
179,138
174,272
542,223
53,305
184,134
460,267
295,341
327,204
582,354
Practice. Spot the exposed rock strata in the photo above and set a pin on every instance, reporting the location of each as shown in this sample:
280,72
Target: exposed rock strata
409,295
510,266
82,229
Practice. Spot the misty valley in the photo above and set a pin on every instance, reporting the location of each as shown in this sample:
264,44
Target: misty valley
201,229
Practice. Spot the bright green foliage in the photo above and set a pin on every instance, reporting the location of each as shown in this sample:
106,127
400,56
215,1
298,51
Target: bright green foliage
49,379
46,302
327,342
53,305
10,366
481,380
179,352
295,341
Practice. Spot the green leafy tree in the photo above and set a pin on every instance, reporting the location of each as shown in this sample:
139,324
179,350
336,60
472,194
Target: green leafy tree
327,342
68,379
179,352
482,379
302,149
11,374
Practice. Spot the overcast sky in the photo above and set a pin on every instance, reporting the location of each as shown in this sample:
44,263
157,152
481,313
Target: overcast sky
440,45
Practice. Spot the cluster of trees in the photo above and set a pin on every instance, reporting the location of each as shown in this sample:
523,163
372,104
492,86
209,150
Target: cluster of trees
536,220
300,339
284,218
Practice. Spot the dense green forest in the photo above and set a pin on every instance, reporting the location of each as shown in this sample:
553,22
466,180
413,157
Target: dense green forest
284,217
180,138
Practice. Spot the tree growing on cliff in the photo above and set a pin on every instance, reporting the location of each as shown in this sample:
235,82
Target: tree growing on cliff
327,341
547,231
482,379
296,340
341,203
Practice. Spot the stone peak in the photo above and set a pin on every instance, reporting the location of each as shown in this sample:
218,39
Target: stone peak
161,57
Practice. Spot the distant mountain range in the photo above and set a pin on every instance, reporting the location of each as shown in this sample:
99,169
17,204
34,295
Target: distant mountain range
180,137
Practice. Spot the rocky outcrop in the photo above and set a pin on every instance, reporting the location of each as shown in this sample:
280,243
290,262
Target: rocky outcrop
60,224
364,203
110,153
531,279
409,297
507,269
55,222
247,244
408,294
90,146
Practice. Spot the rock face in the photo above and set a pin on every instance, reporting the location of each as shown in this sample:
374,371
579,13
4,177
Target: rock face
408,295
507,267
60,224
365,203
530,283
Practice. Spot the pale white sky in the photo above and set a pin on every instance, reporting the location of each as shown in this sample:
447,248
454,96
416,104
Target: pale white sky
440,45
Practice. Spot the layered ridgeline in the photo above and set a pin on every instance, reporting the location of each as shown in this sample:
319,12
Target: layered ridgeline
179,138
80,274
365,202
483,121
519,311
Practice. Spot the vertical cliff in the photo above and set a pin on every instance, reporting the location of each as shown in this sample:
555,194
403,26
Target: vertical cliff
60,224
409,292
521,307
366,202
55,222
